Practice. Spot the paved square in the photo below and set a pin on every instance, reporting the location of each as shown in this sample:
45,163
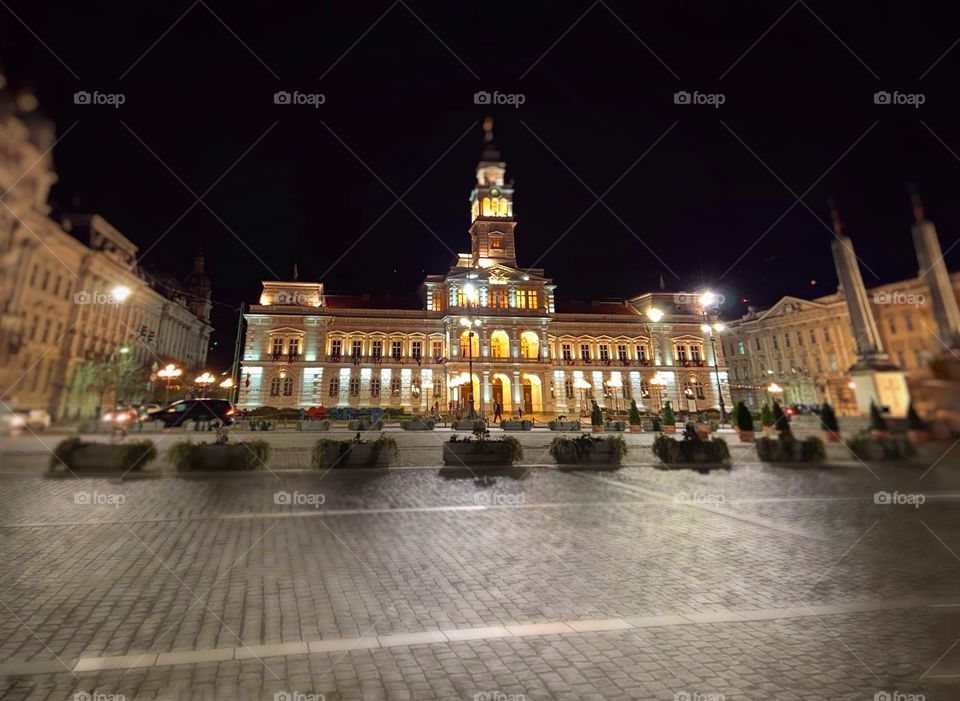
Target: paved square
757,583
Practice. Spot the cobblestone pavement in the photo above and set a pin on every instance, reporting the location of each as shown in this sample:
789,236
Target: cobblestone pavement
758,582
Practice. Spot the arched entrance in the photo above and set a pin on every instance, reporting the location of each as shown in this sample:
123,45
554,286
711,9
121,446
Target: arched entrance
532,394
470,345
499,344
502,394
529,345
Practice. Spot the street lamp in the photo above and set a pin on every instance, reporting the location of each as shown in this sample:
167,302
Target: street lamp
168,373
658,384
708,299
654,314
469,324
226,386
204,381
120,293
774,390
583,386
615,383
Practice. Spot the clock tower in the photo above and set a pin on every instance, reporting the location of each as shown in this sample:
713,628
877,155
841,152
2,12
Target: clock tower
491,209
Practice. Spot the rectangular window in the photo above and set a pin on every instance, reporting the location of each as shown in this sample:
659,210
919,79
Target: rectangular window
416,349
336,348
277,346
758,343
799,338
813,336
377,349
46,279
438,349
568,388
375,387
334,387
741,348
503,299
621,353
584,351
642,353
354,386
521,299
437,389
293,346
395,387
786,340
908,322
460,298
776,344
565,351
681,353
532,299
56,287
901,359
356,348
33,276
826,335
695,353
892,324
395,350
604,351
46,330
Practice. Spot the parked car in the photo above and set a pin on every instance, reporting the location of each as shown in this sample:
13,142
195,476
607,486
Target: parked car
35,419
122,415
11,422
214,410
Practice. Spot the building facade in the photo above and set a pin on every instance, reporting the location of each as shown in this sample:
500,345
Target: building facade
72,294
806,347
486,329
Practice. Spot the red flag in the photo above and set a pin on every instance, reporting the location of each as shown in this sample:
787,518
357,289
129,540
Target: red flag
247,382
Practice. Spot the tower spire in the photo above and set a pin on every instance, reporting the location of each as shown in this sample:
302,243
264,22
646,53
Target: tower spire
919,214
835,220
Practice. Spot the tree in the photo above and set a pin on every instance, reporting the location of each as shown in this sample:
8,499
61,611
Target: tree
877,422
635,419
669,418
914,422
743,416
596,416
120,373
780,420
828,417
766,416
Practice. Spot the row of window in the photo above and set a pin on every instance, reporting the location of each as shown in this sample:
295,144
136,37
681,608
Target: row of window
497,299
43,282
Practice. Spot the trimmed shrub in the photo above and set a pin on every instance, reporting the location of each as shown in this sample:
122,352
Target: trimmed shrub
877,422
914,422
331,453
828,418
766,416
789,449
743,416
635,418
669,418
596,416
244,456
580,449
690,450
867,447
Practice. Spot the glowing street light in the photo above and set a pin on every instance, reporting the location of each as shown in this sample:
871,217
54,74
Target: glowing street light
583,386
774,389
204,381
654,314
120,293
469,324
169,373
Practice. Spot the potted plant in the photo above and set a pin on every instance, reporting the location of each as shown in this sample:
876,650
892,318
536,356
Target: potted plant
636,422
186,456
596,419
866,446
744,420
691,451
831,427
917,429
329,453
781,422
419,423
789,449
766,419
77,455
481,450
314,425
589,450
669,419
471,425
516,424
703,429
878,425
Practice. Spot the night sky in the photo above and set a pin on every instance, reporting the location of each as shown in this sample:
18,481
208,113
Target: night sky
598,82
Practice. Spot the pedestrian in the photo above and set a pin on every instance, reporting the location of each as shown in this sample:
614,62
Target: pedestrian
496,412
520,412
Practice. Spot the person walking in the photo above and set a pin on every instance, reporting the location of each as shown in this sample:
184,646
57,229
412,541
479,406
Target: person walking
497,409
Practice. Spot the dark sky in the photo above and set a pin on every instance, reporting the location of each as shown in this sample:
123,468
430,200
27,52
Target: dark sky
596,98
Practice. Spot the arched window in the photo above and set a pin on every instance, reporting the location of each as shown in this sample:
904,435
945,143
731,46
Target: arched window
375,387
288,387
415,388
644,389
334,389
354,387
395,387
529,345
275,387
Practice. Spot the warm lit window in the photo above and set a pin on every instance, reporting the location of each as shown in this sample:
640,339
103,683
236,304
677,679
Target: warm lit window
395,350
415,387
354,386
461,299
293,346
908,321
604,351
277,346
416,349
356,348
377,349
681,353
565,351
375,387
695,353
438,349
621,352
395,387
584,351
532,299
521,299
642,352
336,347
496,244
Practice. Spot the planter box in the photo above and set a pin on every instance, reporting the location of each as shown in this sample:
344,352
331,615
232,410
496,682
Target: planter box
102,457
220,457
417,425
596,429
614,426
310,426
511,425
636,428
746,436
831,437
349,454
473,453
670,428
467,425
602,453
564,425
99,456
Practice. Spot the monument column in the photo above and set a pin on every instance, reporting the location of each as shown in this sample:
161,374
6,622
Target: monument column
933,271
876,378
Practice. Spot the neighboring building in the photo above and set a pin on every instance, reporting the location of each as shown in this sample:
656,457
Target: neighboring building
305,347
58,311
806,347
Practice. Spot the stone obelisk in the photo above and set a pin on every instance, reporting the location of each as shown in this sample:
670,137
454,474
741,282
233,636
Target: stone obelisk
876,379
933,271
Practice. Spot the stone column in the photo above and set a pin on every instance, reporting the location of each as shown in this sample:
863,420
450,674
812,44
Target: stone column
517,387
933,271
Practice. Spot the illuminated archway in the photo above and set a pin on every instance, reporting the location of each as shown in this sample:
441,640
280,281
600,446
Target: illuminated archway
499,344
502,393
532,394
474,348
529,345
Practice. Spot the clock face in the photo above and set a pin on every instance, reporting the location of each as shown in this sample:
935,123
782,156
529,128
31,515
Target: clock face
495,192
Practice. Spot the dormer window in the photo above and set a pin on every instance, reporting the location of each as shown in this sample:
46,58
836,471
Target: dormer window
496,243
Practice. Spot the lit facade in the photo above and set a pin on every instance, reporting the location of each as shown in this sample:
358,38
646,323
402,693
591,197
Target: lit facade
527,350
59,314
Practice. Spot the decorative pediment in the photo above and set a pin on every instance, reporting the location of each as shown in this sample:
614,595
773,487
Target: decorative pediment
285,329
791,305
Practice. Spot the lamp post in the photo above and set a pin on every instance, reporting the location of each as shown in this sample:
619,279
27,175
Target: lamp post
583,386
226,386
204,381
168,373
469,324
658,385
708,299
615,383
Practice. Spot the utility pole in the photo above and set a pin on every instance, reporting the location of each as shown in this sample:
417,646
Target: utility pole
235,370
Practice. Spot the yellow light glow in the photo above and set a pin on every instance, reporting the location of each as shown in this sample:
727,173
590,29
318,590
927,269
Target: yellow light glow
121,293
774,388
654,314
227,383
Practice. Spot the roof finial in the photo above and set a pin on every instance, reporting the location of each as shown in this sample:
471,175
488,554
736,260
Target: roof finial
296,273
919,214
488,130
835,217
